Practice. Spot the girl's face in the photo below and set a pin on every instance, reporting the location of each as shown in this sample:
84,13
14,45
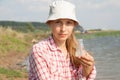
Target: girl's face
61,28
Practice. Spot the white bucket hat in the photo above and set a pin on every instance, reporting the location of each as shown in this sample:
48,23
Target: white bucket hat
62,9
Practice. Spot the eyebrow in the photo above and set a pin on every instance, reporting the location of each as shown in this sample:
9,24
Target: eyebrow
64,19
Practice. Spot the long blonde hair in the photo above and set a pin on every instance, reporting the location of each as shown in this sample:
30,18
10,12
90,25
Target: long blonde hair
72,45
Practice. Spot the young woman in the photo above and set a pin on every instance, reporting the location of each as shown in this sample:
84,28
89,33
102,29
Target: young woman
54,58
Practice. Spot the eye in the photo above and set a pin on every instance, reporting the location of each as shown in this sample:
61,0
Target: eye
70,22
57,22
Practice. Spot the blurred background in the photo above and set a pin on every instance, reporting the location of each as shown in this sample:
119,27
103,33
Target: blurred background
22,24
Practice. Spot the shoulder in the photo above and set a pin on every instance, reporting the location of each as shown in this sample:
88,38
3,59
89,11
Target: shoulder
44,47
39,50
41,45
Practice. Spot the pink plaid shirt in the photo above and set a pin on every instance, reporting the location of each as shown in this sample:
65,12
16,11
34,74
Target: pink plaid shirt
47,62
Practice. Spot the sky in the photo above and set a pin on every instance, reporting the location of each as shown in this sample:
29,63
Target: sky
92,14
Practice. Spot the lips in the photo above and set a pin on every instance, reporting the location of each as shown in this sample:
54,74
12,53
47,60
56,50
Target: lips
62,35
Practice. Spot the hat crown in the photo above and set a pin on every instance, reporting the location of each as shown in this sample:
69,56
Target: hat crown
61,3
62,9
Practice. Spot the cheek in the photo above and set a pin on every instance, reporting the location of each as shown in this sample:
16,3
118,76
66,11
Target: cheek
71,29
54,30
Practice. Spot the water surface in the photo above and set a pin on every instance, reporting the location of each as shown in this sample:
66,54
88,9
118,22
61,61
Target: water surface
106,51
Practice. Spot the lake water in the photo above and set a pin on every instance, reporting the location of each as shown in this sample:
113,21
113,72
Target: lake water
106,51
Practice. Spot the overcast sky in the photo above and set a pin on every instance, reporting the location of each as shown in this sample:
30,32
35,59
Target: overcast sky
92,14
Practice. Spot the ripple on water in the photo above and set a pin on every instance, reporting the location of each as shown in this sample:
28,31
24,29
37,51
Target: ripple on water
106,51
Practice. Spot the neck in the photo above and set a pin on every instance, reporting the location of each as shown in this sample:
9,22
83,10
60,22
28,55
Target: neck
60,44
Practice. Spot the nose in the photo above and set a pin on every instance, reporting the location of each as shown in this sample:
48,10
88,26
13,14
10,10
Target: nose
63,27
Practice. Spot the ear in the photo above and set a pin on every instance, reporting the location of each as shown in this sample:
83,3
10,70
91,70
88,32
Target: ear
49,23
76,24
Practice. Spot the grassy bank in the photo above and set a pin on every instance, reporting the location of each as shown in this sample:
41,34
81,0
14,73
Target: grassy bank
14,47
11,40
10,74
99,34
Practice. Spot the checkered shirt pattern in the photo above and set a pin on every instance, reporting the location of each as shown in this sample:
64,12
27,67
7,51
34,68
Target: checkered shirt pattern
47,62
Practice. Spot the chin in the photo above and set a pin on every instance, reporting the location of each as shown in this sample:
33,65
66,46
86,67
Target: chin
63,39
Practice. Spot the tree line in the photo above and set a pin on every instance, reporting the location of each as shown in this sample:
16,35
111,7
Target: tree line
24,26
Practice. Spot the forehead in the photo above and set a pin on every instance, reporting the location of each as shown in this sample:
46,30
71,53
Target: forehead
65,19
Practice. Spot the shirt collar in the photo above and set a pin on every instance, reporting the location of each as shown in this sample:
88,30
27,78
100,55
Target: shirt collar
52,44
